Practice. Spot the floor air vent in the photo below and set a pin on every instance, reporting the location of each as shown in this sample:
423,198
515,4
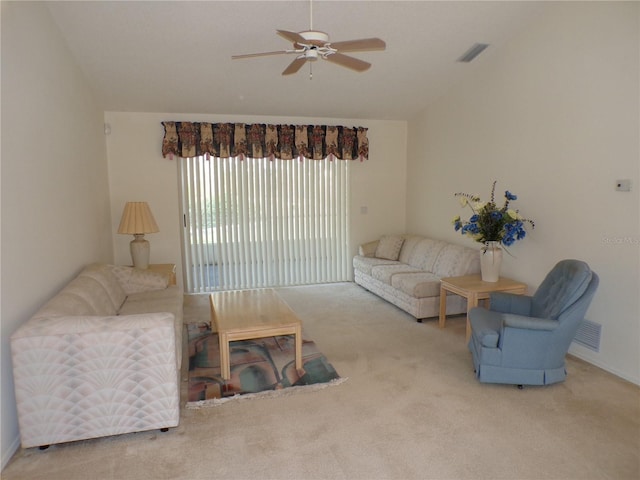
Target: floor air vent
588,335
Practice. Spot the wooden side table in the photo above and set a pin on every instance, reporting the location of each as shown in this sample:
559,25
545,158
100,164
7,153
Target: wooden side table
168,269
474,289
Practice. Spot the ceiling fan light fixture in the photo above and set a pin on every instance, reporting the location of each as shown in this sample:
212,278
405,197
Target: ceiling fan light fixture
315,37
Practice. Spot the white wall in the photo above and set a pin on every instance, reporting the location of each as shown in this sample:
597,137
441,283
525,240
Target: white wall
554,117
55,206
138,172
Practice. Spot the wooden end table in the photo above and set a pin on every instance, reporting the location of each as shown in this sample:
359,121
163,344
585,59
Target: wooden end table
474,289
249,314
168,269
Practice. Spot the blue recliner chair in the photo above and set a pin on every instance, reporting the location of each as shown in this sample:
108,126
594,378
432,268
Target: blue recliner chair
523,340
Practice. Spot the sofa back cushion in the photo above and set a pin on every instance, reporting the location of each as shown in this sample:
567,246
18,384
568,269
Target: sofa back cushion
102,274
425,253
410,242
456,260
389,247
82,296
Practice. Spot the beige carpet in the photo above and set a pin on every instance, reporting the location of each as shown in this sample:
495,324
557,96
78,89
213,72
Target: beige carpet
411,409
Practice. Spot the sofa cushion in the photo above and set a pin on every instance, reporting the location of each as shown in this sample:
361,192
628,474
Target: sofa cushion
424,254
102,274
385,273
365,264
456,260
389,247
417,284
410,241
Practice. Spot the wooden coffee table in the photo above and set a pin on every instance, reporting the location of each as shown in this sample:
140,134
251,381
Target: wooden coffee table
474,289
249,314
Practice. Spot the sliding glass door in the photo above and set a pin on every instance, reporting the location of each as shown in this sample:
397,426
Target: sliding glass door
263,222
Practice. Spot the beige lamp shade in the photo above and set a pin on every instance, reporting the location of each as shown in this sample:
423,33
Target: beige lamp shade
137,220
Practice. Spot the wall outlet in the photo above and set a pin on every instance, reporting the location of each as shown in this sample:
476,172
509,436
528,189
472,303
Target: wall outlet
623,185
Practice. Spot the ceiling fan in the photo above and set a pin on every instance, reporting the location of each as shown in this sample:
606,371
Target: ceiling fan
309,45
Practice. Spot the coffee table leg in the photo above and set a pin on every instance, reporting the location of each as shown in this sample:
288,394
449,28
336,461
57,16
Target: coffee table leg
225,368
298,336
443,307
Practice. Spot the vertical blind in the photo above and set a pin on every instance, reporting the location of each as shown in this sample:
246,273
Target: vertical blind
263,222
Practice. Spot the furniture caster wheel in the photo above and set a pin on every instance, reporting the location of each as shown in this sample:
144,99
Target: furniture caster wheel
165,429
43,447
520,387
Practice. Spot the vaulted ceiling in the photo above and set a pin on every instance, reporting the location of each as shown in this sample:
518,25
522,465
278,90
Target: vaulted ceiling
175,56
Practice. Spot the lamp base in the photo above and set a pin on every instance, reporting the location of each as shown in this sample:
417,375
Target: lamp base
140,251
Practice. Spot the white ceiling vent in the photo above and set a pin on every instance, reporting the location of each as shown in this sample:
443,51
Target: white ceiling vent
473,52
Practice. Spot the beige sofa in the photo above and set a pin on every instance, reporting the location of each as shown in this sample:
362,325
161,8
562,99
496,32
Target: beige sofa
100,358
406,271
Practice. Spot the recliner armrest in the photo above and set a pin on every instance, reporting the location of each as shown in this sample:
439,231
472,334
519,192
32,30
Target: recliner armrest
529,323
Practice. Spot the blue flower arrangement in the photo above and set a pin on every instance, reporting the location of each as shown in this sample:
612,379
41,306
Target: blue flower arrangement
490,223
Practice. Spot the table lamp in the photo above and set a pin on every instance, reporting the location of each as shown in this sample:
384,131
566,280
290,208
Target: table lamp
137,220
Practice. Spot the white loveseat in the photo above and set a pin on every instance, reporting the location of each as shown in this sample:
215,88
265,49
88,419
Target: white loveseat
406,271
100,358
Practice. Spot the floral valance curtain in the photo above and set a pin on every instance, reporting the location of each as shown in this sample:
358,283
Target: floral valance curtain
257,140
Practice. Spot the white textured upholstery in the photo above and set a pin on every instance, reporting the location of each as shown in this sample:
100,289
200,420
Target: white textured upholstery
85,373
413,282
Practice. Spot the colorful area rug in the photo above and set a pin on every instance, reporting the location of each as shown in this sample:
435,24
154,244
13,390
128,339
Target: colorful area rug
259,368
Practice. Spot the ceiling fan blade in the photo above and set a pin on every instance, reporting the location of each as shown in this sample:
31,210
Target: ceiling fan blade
361,45
295,66
349,62
293,37
263,54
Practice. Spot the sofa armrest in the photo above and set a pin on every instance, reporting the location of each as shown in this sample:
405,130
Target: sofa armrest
92,325
81,377
368,249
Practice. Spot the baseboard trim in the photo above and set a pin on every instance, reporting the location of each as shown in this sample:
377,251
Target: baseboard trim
10,452
606,368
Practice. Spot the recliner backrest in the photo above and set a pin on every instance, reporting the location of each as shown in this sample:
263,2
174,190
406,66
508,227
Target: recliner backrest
561,288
